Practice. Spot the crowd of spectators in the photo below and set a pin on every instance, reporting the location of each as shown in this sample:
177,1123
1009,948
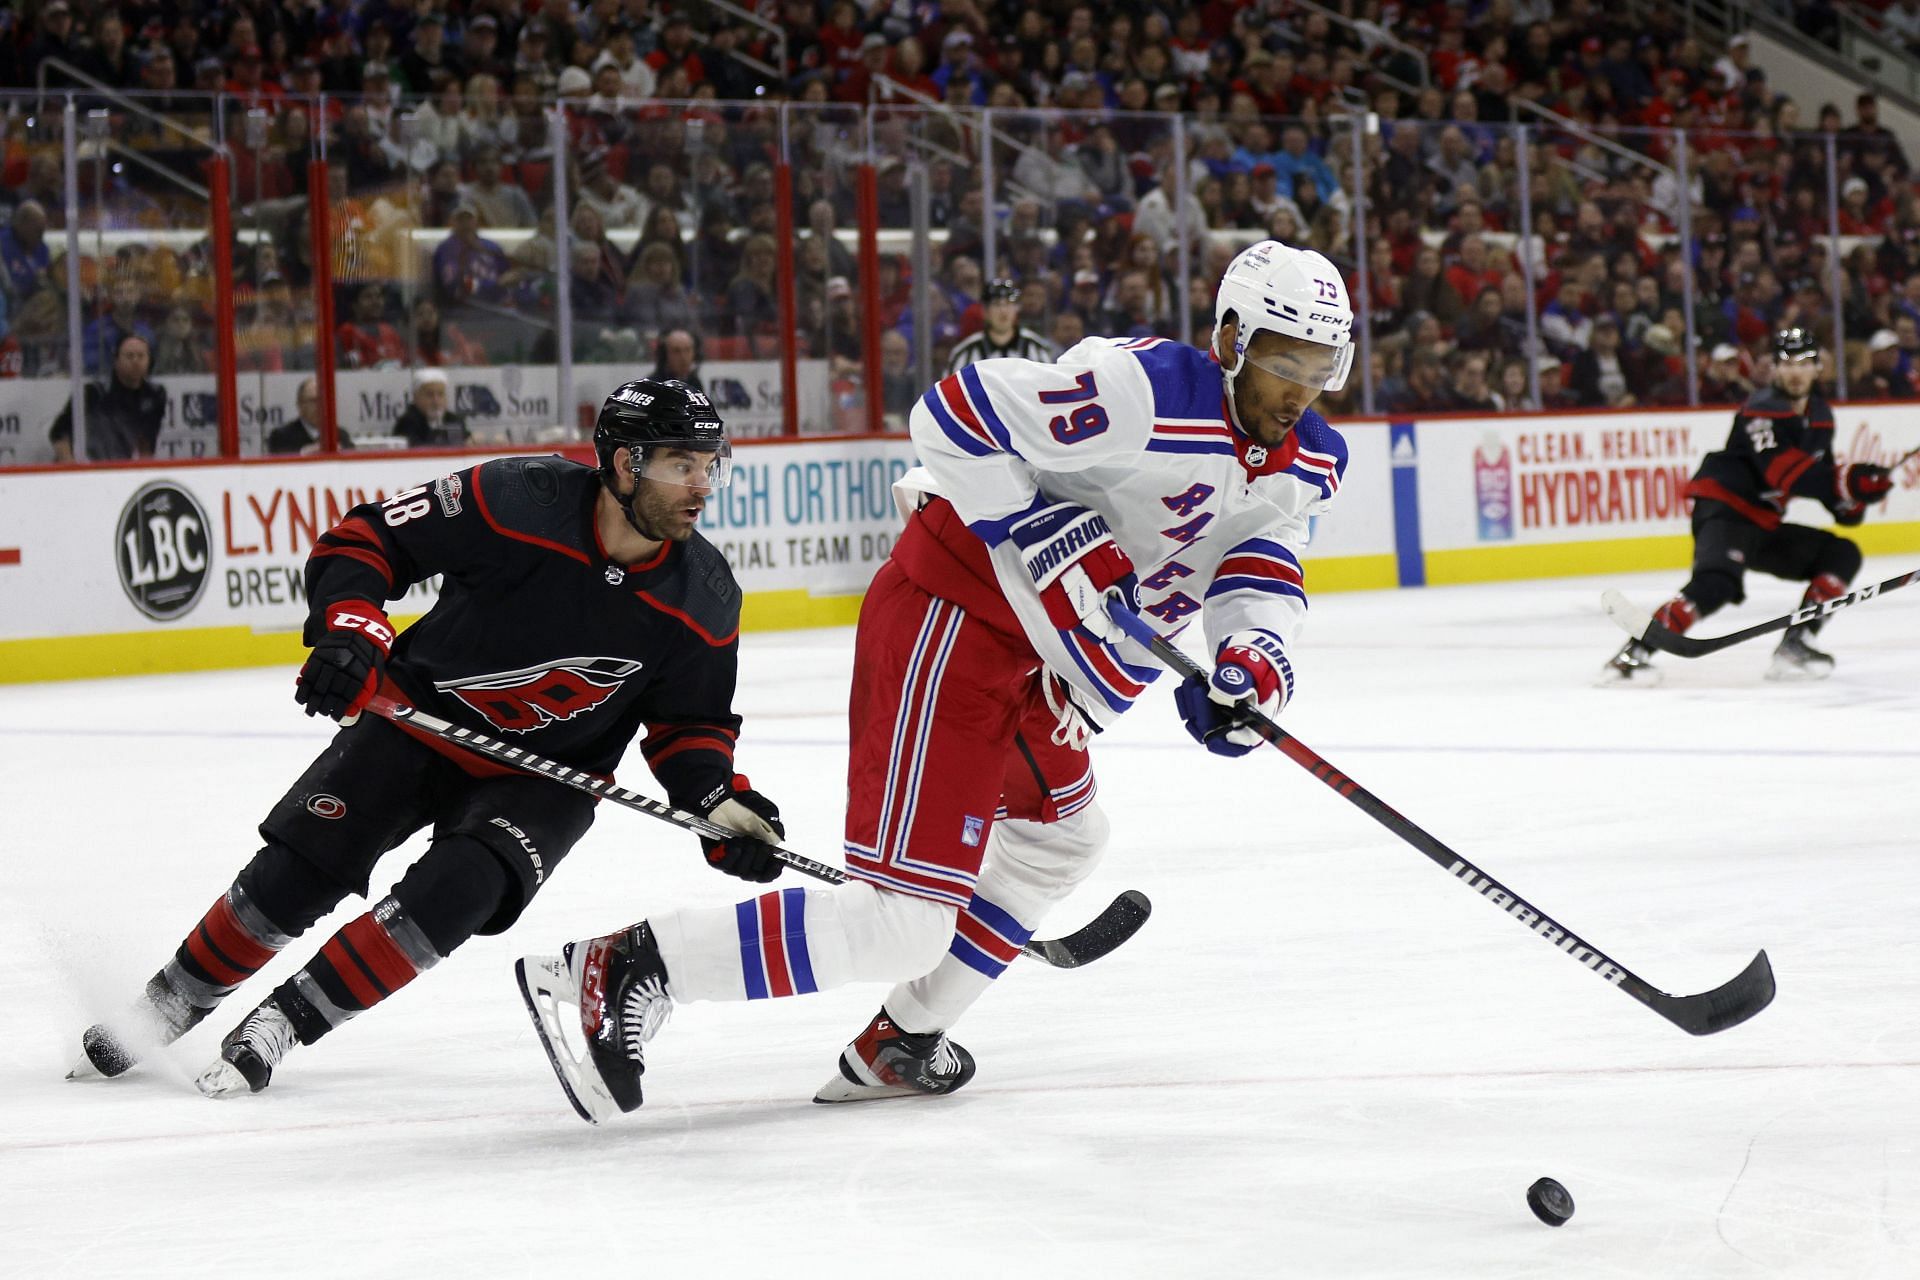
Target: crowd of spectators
436,116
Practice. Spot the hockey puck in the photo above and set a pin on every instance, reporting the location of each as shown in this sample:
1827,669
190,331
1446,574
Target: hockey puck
1550,1202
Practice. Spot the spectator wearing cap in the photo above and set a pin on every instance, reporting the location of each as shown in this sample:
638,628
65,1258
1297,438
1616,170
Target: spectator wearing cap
958,63
870,63
479,49
617,203
427,65
836,336
1723,382
428,422
1883,379
56,39
1098,157
1564,324
677,49
467,267
533,56
1858,216
1731,67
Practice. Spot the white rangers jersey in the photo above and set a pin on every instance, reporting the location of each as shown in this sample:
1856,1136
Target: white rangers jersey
1138,431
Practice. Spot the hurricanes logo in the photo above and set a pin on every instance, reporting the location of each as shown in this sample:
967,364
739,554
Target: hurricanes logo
534,697
321,805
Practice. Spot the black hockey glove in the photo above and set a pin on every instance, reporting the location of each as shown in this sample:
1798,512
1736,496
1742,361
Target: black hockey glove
347,663
1867,482
749,854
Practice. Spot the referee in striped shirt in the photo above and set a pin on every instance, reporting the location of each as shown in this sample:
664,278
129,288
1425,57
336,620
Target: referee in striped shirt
1003,336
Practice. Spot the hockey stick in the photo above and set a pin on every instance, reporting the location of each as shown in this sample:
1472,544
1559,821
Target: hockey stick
1700,1015
1120,921
1649,631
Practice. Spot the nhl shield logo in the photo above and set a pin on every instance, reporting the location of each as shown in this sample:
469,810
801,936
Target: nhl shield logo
615,575
1256,456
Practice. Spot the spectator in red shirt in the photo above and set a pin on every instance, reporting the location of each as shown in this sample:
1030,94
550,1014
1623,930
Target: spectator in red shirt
1470,274
677,50
841,40
367,341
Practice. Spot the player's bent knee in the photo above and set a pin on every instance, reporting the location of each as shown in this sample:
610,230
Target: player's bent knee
457,889
1050,858
1711,592
289,889
889,935
1840,557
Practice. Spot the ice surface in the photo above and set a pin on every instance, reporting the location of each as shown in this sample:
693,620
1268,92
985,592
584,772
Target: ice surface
1320,1058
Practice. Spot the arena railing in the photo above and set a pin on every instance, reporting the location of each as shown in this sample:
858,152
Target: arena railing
809,253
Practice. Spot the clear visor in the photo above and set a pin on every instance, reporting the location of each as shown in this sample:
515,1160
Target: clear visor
1307,363
690,465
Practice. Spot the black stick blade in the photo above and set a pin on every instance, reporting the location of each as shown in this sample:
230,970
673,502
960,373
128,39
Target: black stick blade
1724,1006
1106,931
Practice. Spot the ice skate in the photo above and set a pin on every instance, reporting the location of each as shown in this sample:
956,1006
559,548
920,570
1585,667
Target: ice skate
1795,659
1633,666
162,1015
885,1062
249,1054
612,992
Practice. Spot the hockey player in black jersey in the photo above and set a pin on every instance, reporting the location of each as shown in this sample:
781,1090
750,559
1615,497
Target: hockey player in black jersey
1781,448
579,607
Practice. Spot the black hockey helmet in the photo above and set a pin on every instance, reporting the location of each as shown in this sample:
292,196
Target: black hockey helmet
651,413
1002,290
1796,344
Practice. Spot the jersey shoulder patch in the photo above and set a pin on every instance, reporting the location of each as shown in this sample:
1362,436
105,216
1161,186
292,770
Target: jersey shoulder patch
535,499
703,594
1186,382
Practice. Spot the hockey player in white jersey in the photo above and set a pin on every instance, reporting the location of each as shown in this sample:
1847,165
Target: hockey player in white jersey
1182,481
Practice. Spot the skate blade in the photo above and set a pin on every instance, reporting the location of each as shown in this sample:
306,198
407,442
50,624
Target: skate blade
1612,677
1792,673
840,1089
544,985
222,1080
85,1070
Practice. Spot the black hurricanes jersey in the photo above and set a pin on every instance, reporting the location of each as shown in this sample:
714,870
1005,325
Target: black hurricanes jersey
1773,454
538,638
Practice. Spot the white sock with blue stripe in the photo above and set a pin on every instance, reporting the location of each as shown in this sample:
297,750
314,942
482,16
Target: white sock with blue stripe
797,941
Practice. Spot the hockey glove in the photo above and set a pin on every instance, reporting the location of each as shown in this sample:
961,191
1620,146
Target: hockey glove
1073,562
1867,482
749,854
1251,673
346,664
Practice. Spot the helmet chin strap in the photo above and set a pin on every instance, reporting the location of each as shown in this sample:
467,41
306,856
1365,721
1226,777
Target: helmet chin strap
625,502
1229,376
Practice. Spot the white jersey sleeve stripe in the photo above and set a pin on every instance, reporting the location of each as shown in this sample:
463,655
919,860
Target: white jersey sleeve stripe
977,445
983,404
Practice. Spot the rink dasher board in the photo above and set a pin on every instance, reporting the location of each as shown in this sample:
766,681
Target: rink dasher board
212,576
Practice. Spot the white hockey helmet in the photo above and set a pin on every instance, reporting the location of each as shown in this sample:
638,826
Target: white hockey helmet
1296,292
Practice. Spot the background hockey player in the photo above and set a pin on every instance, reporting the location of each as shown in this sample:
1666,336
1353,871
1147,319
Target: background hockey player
1781,448
1002,336
1180,480
578,606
